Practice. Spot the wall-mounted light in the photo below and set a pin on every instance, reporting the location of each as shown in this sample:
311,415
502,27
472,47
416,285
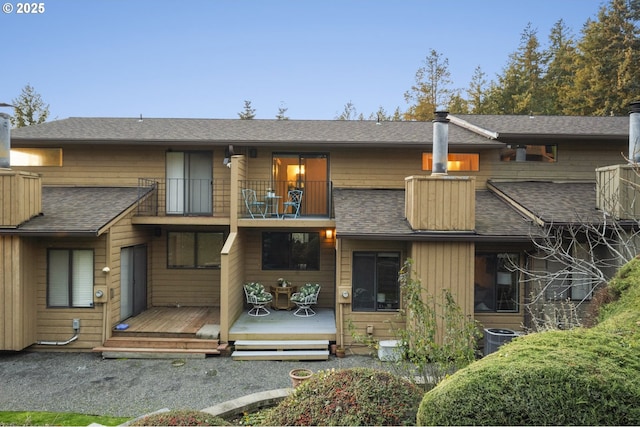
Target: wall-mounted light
329,233
106,270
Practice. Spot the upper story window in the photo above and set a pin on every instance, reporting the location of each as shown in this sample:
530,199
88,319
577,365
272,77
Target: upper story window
70,278
290,251
456,162
194,249
36,157
530,153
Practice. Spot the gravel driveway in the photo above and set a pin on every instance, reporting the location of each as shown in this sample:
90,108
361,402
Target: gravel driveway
86,383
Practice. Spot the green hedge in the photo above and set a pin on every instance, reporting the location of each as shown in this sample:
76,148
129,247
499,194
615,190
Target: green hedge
577,377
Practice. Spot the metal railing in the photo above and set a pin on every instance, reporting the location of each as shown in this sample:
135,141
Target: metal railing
316,198
184,197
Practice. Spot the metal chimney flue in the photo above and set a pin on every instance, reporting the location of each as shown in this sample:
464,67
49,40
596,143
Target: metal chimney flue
440,143
634,132
5,140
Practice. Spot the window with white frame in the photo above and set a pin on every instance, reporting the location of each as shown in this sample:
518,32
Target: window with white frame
70,278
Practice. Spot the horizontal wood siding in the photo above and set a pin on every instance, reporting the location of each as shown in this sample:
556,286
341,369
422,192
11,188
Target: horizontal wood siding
17,293
180,286
324,276
55,324
381,321
20,197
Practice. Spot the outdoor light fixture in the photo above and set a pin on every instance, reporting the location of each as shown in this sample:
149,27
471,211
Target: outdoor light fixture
329,233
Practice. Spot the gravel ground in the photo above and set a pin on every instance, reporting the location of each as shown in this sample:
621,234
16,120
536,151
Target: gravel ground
86,383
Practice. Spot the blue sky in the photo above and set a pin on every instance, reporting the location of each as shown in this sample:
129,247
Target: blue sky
197,58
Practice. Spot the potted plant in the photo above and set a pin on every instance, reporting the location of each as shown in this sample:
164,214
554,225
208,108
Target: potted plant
299,375
340,352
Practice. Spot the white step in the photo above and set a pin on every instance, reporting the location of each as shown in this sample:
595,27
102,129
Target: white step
280,355
281,344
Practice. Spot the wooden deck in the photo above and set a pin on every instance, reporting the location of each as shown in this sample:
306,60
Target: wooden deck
170,321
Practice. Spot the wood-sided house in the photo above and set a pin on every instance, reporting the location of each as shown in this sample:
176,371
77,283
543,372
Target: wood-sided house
104,220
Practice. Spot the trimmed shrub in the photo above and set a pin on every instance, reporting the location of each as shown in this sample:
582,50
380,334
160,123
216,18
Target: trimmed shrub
353,397
180,418
576,377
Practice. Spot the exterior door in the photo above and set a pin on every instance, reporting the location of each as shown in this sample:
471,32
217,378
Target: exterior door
189,183
133,281
304,171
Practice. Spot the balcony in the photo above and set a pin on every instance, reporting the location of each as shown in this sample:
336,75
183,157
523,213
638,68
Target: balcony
184,197
316,198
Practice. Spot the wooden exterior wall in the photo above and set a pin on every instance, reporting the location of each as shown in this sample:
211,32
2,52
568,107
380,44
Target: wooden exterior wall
20,197
55,324
232,273
253,271
344,313
17,293
617,191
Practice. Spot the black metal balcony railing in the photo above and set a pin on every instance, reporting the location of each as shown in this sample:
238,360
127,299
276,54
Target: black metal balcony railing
186,197
316,196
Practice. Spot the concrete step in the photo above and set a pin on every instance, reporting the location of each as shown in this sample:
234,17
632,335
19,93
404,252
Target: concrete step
280,355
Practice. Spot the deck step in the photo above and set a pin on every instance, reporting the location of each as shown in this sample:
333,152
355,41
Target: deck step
281,350
280,355
154,353
161,343
281,344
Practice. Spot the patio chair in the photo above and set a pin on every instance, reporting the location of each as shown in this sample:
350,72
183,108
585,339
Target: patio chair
294,201
253,205
305,298
258,298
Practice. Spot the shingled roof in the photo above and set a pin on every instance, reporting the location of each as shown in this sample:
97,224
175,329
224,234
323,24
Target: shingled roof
553,202
78,210
222,132
379,214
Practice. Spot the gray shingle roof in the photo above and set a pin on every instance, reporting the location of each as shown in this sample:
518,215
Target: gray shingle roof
370,213
514,125
79,210
223,131
554,202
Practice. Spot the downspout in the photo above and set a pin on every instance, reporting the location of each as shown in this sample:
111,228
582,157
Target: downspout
76,328
634,132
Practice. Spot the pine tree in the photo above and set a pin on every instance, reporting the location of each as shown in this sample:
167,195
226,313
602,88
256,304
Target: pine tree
29,109
560,63
248,113
431,90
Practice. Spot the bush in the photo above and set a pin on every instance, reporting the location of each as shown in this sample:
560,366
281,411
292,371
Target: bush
353,397
180,418
577,377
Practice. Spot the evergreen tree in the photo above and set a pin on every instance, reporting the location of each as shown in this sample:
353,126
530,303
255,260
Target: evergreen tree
349,112
282,110
607,75
560,63
29,109
431,90
477,92
248,113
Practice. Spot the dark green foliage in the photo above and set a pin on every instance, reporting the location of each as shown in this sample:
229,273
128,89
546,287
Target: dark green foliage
180,418
577,377
352,397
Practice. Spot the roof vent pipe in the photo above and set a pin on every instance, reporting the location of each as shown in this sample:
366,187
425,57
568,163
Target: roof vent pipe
634,132
440,143
5,140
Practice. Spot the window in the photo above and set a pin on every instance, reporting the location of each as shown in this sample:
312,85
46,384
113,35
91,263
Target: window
70,278
530,153
194,249
290,251
375,284
496,286
455,162
36,157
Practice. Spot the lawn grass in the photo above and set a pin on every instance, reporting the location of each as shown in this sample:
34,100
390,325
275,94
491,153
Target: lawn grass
30,418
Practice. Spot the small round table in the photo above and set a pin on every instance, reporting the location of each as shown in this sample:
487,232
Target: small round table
281,293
